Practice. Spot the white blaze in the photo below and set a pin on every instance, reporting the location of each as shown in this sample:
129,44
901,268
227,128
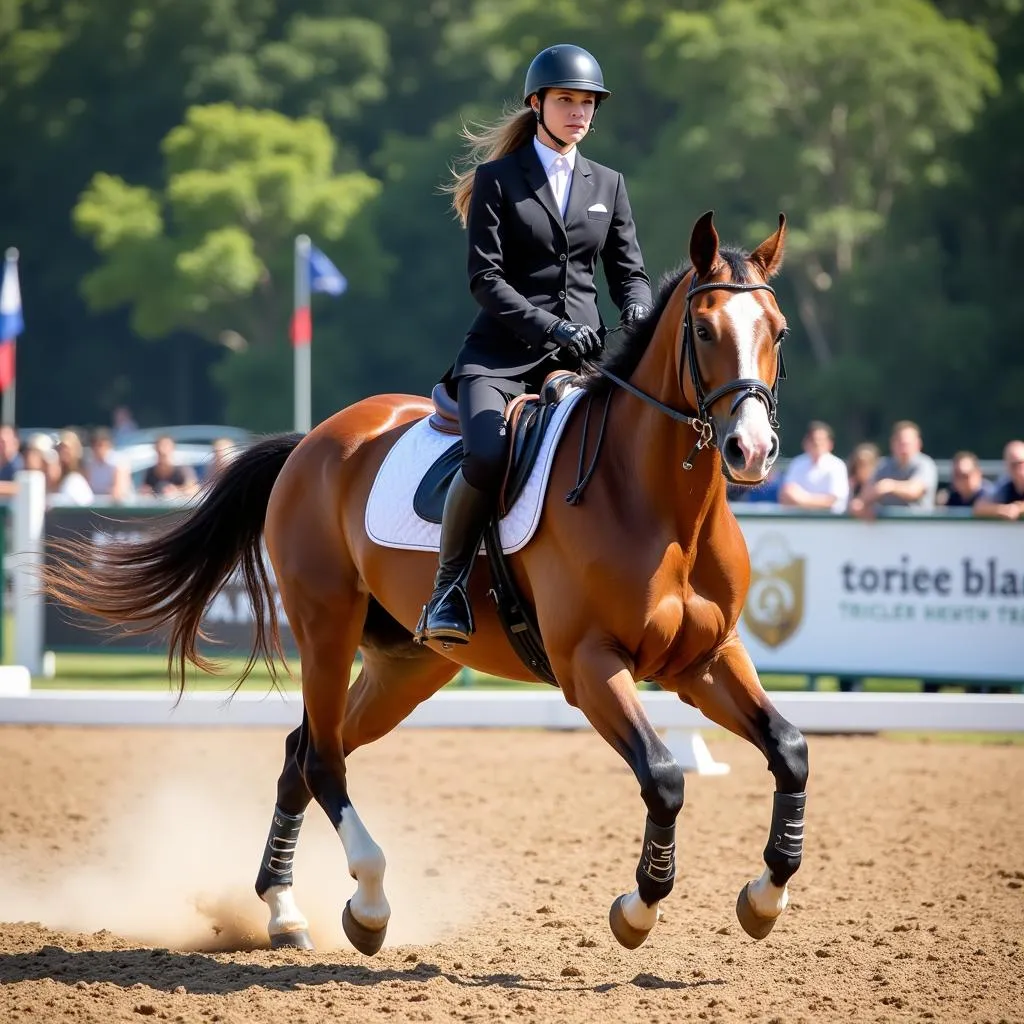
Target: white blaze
752,427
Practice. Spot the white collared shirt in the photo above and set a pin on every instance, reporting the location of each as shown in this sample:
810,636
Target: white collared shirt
558,169
826,476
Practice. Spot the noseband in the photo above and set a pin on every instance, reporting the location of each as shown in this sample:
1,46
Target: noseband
742,387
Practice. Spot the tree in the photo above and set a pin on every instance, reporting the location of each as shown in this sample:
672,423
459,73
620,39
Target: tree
210,252
831,112
979,221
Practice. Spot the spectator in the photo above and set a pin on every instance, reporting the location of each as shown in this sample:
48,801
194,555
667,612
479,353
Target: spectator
816,479
223,454
71,483
123,424
967,484
107,475
908,478
10,460
1006,500
38,454
165,479
861,466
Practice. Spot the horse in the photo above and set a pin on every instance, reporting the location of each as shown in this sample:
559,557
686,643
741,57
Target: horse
644,579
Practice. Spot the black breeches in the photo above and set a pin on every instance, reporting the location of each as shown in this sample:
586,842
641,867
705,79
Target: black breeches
482,402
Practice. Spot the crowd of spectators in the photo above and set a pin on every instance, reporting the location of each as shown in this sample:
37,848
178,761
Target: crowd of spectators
819,480
99,473
816,479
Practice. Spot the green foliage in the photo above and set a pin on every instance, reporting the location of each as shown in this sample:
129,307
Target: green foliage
210,252
165,153
834,113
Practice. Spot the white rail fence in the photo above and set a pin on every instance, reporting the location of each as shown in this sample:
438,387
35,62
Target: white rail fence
813,712
520,709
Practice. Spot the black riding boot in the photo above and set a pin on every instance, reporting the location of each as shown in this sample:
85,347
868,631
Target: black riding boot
447,615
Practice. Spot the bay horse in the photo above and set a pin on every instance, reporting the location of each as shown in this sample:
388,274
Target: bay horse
644,579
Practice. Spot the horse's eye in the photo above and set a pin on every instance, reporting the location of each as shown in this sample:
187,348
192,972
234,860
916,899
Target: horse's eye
782,335
702,332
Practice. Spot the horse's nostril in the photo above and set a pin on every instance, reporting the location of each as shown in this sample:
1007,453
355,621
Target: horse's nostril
774,449
732,451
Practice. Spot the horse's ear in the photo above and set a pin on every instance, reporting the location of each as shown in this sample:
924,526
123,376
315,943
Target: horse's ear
768,255
704,245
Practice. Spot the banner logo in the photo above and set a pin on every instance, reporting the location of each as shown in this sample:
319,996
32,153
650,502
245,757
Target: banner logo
775,602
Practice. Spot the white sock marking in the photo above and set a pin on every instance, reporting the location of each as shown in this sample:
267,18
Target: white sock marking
366,865
767,899
285,915
637,914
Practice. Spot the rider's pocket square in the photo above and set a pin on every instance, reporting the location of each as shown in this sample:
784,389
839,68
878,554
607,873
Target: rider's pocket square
597,208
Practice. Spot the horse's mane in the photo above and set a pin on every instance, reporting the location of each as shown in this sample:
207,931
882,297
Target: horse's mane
624,350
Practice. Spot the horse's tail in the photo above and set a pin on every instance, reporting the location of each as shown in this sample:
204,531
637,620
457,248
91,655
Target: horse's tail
167,580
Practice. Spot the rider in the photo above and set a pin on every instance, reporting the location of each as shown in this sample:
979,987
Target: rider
538,215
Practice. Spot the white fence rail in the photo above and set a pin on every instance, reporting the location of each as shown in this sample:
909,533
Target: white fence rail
519,709
523,709
807,578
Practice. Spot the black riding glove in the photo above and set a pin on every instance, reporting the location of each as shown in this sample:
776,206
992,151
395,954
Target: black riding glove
634,314
579,340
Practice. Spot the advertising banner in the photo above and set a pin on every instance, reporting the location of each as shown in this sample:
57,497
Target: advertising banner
229,617
919,597
925,598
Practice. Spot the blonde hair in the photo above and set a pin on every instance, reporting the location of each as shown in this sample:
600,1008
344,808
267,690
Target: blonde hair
487,142
72,444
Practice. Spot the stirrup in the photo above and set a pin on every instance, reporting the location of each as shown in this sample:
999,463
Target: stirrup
446,636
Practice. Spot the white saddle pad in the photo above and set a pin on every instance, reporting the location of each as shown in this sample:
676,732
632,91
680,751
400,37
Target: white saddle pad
390,518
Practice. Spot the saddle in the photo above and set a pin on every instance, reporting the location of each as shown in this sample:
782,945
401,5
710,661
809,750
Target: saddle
527,417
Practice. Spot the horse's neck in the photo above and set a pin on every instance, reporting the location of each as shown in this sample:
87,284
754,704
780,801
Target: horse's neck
653,446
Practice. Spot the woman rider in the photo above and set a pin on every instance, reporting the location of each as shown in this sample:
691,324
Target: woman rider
538,215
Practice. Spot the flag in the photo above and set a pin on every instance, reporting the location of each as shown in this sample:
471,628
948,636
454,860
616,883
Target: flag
324,276
12,323
314,272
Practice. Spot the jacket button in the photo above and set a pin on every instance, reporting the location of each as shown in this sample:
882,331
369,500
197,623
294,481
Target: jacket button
561,257
561,295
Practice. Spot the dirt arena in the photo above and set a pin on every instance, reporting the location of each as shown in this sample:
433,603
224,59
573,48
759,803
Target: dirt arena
129,856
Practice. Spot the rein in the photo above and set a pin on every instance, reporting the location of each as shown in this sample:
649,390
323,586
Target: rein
743,387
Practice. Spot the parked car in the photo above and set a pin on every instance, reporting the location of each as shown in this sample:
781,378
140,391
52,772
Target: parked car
141,456
187,433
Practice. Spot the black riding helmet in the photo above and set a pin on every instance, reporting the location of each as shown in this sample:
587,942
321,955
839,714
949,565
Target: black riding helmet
564,66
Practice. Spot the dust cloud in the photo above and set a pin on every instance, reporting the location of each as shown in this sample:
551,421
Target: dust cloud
174,865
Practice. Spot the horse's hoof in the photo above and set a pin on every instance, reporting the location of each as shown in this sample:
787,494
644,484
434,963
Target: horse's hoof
753,924
627,935
298,939
366,940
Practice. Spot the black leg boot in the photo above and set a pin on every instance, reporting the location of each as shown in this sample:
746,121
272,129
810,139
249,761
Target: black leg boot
447,615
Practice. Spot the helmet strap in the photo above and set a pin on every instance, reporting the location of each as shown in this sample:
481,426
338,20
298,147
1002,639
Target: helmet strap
540,120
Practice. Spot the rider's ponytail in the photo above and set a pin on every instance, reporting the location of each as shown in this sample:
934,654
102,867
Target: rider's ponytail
486,143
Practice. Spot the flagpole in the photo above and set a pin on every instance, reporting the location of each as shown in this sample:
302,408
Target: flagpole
302,339
7,406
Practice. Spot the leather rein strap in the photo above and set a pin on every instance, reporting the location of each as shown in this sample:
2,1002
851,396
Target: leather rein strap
742,387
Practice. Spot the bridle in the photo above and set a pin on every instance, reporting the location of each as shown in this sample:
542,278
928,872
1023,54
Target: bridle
742,387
